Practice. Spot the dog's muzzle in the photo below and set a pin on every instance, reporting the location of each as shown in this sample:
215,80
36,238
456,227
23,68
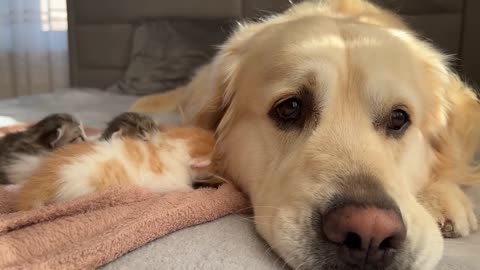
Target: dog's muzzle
361,227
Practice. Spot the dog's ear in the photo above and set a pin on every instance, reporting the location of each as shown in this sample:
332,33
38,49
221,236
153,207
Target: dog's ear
214,85
465,118
459,142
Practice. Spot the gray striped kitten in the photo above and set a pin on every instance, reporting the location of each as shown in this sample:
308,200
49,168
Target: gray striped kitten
20,152
130,124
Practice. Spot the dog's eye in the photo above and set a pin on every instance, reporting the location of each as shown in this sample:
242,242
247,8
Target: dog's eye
288,113
290,109
398,122
296,111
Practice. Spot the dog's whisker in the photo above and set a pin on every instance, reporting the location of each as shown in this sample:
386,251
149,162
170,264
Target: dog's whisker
260,216
300,265
259,206
462,244
267,251
239,211
253,221
284,263
278,258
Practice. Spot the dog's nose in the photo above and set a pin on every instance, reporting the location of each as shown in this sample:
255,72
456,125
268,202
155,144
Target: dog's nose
367,235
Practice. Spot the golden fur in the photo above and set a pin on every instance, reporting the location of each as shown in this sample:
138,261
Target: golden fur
359,60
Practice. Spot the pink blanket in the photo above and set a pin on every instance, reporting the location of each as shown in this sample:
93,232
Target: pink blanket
94,230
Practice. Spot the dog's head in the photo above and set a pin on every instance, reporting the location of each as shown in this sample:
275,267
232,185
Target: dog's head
327,117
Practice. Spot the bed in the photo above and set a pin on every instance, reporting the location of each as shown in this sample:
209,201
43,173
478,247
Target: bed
93,106
227,243
102,47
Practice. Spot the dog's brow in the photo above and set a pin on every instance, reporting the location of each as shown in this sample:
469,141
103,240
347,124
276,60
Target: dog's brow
311,80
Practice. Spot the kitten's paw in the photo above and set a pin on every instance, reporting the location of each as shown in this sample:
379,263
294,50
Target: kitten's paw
451,208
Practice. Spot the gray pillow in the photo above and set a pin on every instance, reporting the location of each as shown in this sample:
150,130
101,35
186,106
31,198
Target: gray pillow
166,53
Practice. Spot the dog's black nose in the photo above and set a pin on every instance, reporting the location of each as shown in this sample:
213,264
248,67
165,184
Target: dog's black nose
368,236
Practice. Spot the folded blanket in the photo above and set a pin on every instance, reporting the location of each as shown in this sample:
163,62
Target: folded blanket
94,230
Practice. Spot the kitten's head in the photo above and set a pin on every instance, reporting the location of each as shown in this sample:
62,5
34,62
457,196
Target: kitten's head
132,125
57,130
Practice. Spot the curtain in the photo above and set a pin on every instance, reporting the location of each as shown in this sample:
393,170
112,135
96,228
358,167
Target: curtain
33,47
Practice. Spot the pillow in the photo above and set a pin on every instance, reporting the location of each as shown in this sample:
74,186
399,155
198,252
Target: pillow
166,53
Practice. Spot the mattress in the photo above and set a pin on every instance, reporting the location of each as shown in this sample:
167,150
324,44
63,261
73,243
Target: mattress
228,243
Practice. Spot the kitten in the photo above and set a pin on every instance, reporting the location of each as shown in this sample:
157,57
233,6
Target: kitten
140,126
168,160
130,124
21,151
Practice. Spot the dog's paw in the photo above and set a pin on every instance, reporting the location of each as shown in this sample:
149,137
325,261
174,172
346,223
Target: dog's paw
451,208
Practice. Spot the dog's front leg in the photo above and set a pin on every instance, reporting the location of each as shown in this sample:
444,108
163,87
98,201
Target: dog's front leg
451,207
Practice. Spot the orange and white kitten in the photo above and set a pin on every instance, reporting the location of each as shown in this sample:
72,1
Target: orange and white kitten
166,161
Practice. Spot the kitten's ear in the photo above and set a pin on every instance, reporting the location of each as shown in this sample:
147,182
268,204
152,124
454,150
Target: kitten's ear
54,137
200,162
117,134
83,134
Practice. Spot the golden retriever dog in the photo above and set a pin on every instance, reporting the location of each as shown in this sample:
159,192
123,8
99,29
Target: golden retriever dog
351,135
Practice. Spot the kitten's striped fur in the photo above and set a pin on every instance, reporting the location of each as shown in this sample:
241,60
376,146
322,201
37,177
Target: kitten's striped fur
166,161
20,152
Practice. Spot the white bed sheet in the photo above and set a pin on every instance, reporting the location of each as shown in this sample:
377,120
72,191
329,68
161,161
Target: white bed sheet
92,106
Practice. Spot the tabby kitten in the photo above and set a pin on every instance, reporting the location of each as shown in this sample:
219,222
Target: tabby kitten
160,161
130,124
21,151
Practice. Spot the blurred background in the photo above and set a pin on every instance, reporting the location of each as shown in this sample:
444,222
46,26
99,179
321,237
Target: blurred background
105,39
33,46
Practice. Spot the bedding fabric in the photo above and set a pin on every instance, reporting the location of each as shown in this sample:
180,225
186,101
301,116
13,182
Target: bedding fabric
228,243
93,106
119,220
